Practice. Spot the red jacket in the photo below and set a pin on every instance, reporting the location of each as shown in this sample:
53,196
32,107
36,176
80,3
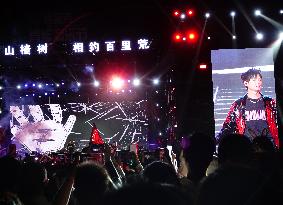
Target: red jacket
235,121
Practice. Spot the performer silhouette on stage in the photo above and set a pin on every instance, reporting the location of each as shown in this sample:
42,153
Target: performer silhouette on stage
95,142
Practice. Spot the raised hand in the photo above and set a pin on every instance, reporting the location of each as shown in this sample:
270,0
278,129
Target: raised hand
38,133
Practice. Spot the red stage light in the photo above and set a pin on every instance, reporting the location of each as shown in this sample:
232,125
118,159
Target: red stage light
192,36
176,13
117,82
177,37
190,12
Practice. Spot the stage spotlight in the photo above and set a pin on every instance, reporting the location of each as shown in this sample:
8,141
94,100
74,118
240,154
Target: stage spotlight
33,85
176,13
192,36
232,13
39,86
177,37
57,84
117,83
183,16
78,84
234,37
281,11
207,15
208,38
19,87
184,38
96,83
259,36
190,12
136,82
1,87
257,12
26,85
155,81
281,36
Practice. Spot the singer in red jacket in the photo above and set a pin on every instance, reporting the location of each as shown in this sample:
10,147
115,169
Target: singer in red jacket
253,114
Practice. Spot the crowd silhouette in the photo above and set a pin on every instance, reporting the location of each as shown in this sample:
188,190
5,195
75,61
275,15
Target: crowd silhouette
234,171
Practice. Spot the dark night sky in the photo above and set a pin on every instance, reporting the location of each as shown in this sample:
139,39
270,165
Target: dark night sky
153,17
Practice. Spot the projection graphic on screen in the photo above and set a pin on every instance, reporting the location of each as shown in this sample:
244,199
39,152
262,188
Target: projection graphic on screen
227,67
49,127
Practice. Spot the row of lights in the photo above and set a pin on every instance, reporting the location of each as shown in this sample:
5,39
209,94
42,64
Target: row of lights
188,36
62,94
183,14
116,92
257,12
53,94
115,83
38,85
41,95
258,36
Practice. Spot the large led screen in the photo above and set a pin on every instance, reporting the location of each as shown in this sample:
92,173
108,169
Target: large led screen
227,67
49,127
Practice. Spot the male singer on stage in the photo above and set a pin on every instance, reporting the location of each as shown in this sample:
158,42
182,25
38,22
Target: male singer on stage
253,114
